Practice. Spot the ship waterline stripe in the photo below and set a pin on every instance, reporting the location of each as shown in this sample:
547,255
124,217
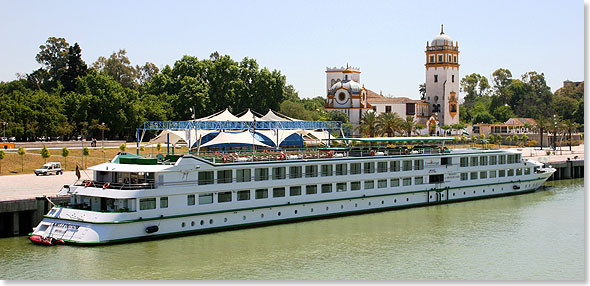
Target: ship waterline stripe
286,220
290,204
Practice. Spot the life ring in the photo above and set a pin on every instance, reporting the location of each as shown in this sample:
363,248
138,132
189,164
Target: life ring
264,151
283,157
372,152
88,183
106,185
406,151
330,154
224,159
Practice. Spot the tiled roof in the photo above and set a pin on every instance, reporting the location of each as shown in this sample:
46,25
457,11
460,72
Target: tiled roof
375,98
520,121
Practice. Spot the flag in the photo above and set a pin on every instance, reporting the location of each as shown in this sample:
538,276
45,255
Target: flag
78,172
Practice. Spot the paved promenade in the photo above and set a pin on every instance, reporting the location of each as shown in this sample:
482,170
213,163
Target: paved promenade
28,186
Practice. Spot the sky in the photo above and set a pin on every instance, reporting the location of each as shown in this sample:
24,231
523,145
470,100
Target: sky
385,39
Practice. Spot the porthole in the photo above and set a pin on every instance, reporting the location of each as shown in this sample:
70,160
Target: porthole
431,196
395,201
474,192
407,199
453,194
202,222
225,220
183,224
341,206
211,221
382,202
295,211
327,208
311,209
261,215
442,195
492,190
279,213
356,205
464,193
484,191
244,218
192,223
369,203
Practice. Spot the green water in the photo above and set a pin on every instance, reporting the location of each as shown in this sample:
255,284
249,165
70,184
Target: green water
537,236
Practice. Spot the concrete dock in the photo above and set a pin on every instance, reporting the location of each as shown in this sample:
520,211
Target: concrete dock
24,199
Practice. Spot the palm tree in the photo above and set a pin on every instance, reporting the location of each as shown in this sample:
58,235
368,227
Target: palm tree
368,124
570,127
524,139
541,126
499,139
388,123
422,90
409,126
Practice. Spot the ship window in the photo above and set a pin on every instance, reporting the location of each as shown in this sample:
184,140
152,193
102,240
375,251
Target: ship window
463,176
418,164
418,180
502,159
394,182
243,195
382,184
493,160
519,172
473,176
147,204
295,191
243,175
295,172
190,200
501,173
278,192
369,185
510,172
407,181
326,188
464,162
163,202
311,189
381,167
224,177
492,174
355,186
261,194
355,168
326,170
261,174
205,178
340,187
483,175
369,167
436,179
407,165
474,161
527,171
205,199
341,169
279,173
483,160
224,197
311,171
394,166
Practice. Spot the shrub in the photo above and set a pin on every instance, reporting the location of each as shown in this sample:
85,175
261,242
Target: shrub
532,143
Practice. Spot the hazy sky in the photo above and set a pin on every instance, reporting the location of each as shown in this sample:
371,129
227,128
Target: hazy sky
386,39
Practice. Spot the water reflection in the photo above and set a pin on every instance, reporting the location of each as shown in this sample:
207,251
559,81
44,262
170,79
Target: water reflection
532,236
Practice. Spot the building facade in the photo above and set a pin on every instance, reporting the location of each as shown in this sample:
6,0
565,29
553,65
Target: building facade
439,106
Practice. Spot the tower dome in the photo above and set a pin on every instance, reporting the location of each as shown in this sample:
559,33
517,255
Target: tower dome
352,86
442,39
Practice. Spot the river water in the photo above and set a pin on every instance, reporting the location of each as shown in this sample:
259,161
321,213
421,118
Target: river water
536,236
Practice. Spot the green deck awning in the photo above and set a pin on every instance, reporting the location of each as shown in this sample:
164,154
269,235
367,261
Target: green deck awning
395,139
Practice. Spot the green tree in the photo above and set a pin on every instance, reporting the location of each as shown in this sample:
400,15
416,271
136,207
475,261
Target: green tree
65,152
503,113
474,85
524,139
515,139
2,155
85,154
501,79
21,152
368,124
499,139
422,90
54,58
159,147
491,138
45,153
119,67
388,123
75,67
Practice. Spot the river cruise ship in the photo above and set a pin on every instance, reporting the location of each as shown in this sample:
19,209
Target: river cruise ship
135,198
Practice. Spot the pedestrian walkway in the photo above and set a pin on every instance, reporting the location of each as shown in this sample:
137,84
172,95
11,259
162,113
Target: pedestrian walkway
29,186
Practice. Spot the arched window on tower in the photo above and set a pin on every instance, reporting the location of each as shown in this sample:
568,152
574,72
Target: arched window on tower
332,82
452,78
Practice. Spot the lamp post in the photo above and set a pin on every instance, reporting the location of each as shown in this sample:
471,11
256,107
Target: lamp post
102,129
4,124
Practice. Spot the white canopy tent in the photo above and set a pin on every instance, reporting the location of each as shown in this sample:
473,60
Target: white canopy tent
249,116
244,137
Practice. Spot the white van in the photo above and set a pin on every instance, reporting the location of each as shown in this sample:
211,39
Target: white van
49,168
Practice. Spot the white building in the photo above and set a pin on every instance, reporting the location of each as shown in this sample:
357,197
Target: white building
438,107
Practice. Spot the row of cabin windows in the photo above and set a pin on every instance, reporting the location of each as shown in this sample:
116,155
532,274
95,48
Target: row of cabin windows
279,173
493,173
244,195
489,160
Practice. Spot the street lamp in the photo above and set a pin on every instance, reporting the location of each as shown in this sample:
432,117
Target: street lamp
102,129
4,124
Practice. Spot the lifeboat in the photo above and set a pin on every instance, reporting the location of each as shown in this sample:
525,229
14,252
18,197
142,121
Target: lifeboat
48,241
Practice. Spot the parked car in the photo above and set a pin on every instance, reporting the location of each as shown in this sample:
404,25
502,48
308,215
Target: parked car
50,168
3,139
12,139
